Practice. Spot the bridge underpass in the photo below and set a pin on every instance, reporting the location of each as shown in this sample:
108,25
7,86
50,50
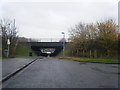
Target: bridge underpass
37,47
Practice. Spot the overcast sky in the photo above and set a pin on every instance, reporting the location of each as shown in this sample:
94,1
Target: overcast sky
49,19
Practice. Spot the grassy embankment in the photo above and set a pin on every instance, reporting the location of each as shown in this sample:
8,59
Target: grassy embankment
92,59
23,50
104,60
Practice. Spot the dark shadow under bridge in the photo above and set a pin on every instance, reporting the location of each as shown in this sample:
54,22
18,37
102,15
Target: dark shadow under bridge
43,48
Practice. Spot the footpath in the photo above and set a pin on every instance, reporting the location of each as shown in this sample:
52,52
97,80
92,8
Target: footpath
13,65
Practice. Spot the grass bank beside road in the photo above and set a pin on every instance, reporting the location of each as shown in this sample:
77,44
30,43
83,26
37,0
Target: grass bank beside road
24,50
21,51
101,60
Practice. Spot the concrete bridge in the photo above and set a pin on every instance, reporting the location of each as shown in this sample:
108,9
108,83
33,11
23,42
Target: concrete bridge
46,48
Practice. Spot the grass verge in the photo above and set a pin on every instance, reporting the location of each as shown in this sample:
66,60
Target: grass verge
23,50
92,59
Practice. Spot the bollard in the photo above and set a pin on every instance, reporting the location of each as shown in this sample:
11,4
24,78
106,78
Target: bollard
30,53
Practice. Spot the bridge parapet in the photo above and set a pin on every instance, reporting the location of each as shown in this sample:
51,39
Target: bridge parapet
49,40
44,44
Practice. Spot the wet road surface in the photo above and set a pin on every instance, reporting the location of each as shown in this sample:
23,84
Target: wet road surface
59,73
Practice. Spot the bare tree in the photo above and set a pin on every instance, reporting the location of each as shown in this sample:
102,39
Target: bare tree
8,32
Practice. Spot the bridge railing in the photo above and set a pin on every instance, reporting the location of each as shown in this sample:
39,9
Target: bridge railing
48,40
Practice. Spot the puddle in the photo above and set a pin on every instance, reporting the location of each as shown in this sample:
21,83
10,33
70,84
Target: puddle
114,66
83,63
106,86
105,72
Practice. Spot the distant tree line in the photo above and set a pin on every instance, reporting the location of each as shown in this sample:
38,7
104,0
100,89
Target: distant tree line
99,40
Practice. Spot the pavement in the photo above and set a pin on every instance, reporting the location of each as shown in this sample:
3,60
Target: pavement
60,73
11,65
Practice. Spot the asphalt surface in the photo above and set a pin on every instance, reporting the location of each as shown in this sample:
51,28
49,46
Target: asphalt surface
12,64
56,73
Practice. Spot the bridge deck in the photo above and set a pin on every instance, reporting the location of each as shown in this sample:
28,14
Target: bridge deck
44,44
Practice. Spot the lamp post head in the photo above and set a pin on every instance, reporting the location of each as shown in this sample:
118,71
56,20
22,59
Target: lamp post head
8,41
63,33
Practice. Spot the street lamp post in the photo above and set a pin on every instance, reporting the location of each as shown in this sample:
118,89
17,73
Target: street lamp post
8,43
63,44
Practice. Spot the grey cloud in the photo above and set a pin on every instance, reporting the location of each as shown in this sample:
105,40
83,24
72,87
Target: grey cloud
50,19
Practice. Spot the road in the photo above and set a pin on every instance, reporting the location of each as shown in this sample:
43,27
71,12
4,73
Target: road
59,73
